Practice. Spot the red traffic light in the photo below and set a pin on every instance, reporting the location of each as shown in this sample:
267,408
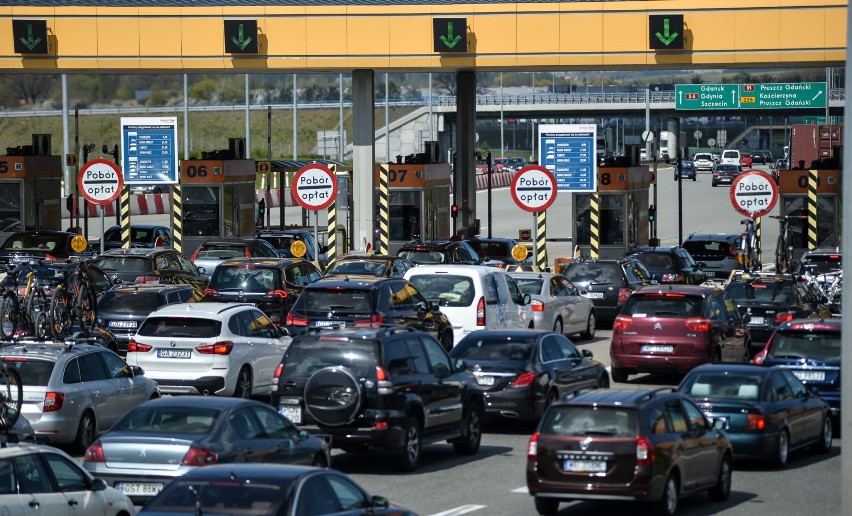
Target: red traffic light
454,210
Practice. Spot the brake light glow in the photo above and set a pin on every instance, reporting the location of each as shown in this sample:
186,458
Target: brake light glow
383,385
672,278
195,254
277,293
537,306
278,370
644,451
211,292
141,280
621,323
623,294
138,347
782,318
95,453
53,401
532,447
48,256
760,357
731,252
698,325
293,320
755,422
374,320
220,348
524,380
248,254
199,457
480,312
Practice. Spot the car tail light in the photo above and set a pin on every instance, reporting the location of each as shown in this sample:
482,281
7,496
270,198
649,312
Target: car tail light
211,292
374,320
195,254
532,447
732,253
141,280
715,174
293,320
644,451
248,253
138,347
755,422
95,453
278,370
524,380
53,401
277,293
199,457
22,291
48,256
623,294
673,278
698,325
384,386
537,306
219,348
480,312
621,323
760,357
782,318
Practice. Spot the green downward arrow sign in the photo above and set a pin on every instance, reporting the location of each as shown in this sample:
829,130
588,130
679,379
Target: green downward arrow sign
29,42
667,37
242,42
449,39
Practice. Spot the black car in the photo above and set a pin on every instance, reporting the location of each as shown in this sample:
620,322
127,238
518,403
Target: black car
440,252
670,265
768,300
23,246
523,371
718,252
379,388
608,282
821,260
373,265
495,252
281,240
141,266
725,174
343,301
687,170
141,235
122,309
271,284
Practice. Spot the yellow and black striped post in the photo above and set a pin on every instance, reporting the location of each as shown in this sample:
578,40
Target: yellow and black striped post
813,181
331,239
594,226
384,211
757,242
124,217
177,217
541,240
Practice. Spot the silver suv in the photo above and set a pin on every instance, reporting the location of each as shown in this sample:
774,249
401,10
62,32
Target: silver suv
718,252
74,392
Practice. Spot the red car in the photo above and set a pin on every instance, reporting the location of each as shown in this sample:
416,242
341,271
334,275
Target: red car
673,328
745,159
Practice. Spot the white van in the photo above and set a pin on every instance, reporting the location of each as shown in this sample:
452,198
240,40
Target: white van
731,157
473,297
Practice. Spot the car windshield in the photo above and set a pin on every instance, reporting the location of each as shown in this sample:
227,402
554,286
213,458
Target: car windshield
129,302
369,267
806,344
775,292
422,256
255,498
495,348
658,261
580,420
29,242
244,278
593,273
282,244
180,327
314,301
446,289
309,354
184,419
33,372
138,235
126,264
492,250
663,305
222,252
531,286
709,248
726,384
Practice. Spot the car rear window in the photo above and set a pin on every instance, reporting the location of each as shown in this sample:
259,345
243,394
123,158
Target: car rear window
184,419
282,244
138,264
731,154
222,251
180,327
422,256
244,278
703,156
33,372
594,273
663,305
446,289
729,385
32,243
337,300
492,250
123,302
709,248
254,498
495,348
773,292
656,260
307,355
531,286
138,235
806,344
821,264
371,268
579,420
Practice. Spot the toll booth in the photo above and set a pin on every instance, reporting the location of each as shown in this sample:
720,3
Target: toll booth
793,199
30,191
418,202
218,200
622,212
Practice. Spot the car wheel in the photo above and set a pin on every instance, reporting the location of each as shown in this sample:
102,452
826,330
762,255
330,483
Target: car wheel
468,443
824,444
243,387
409,459
695,177
722,490
589,334
320,461
603,382
717,355
85,432
782,451
546,506
333,396
619,374
713,184
668,503
557,326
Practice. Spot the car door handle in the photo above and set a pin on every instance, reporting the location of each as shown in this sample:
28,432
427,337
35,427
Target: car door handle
72,502
34,504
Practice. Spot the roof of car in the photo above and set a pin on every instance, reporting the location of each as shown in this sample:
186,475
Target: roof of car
138,251
532,274
229,241
46,350
479,270
831,325
429,244
260,262
514,333
356,333
766,277
823,250
368,257
671,288
349,281
151,287
202,401
713,237
645,249
732,368
203,309
274,473
284,232
47,232
617,397
18,449
139,226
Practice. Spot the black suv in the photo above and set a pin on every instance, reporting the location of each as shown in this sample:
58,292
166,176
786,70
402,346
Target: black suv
495,252
281,240
388,388
608,283
670,264
440,252
271,284
138,265
822,260
23,246
717,251
367,301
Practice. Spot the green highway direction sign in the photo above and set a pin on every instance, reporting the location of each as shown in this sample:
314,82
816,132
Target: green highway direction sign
706,96
783,95
449,34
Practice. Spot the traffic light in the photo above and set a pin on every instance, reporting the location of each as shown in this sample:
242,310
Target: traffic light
454,210
652,213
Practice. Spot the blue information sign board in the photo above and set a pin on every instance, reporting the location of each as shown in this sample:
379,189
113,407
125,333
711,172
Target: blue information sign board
149,150
569,152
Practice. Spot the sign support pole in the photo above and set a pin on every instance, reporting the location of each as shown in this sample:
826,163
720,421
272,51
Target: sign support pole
103,240
124,217
316,234
595,239
541,240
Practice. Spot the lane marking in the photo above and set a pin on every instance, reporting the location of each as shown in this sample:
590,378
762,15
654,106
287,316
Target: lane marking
458,511
524,490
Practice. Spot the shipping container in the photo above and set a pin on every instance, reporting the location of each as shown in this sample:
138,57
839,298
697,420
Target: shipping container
811,142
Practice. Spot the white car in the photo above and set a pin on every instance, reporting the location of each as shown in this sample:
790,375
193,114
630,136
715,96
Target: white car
36,479
703,161
227,349
474,297
731,157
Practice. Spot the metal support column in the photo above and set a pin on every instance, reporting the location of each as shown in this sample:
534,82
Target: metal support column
541,240
384,211
124,217
595,227
177,217
813,181
465,172
331,239
363,157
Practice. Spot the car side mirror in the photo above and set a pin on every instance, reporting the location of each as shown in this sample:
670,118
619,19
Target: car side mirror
137,371
202,270
434,306
460,365
116,281
719,424
583,292
283,331
527,299
303,435
587,353
379,502
813,390
701,265
99,484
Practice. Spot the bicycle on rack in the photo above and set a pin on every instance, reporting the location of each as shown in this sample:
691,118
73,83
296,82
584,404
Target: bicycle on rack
11,396
748,247
27,309
73,303
784,245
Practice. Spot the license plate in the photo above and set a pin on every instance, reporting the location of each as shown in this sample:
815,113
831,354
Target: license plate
122,324
710,274
584,466
174,353
755,320
813,376
291,412
594,295
485,380
657,348
326,324
139,489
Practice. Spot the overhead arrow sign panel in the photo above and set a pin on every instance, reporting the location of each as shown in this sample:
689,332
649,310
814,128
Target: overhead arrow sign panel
450,34
665,31
241,37
30,36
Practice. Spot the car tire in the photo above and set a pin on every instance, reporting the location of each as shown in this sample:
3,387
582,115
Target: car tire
722,490
319,461
695,177
713,184
826,436
243,387
619,374
324,398
591,325
603,381
412,446
546,506
667,505
85,432
468,443
716,357
558,327
782,450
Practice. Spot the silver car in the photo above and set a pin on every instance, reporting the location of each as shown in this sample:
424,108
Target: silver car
557,303
72,393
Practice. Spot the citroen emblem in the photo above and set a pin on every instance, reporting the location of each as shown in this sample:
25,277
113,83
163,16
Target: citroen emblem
658,326
584,444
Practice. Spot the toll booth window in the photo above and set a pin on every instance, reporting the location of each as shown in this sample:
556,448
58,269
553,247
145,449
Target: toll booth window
201,211
10,207
611,218
405,221
826,230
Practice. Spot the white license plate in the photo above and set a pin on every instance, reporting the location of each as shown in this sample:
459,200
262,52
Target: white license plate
710,274
122,324
485,380
813,376
594,295
584,466
657,348
139,489
174,353
756,320
325,324
291,412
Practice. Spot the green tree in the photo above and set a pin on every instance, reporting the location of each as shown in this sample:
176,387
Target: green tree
203,90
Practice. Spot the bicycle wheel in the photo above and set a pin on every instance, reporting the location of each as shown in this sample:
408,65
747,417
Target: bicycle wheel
781,261
37,304
59,314
10,315
85,308
11,396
